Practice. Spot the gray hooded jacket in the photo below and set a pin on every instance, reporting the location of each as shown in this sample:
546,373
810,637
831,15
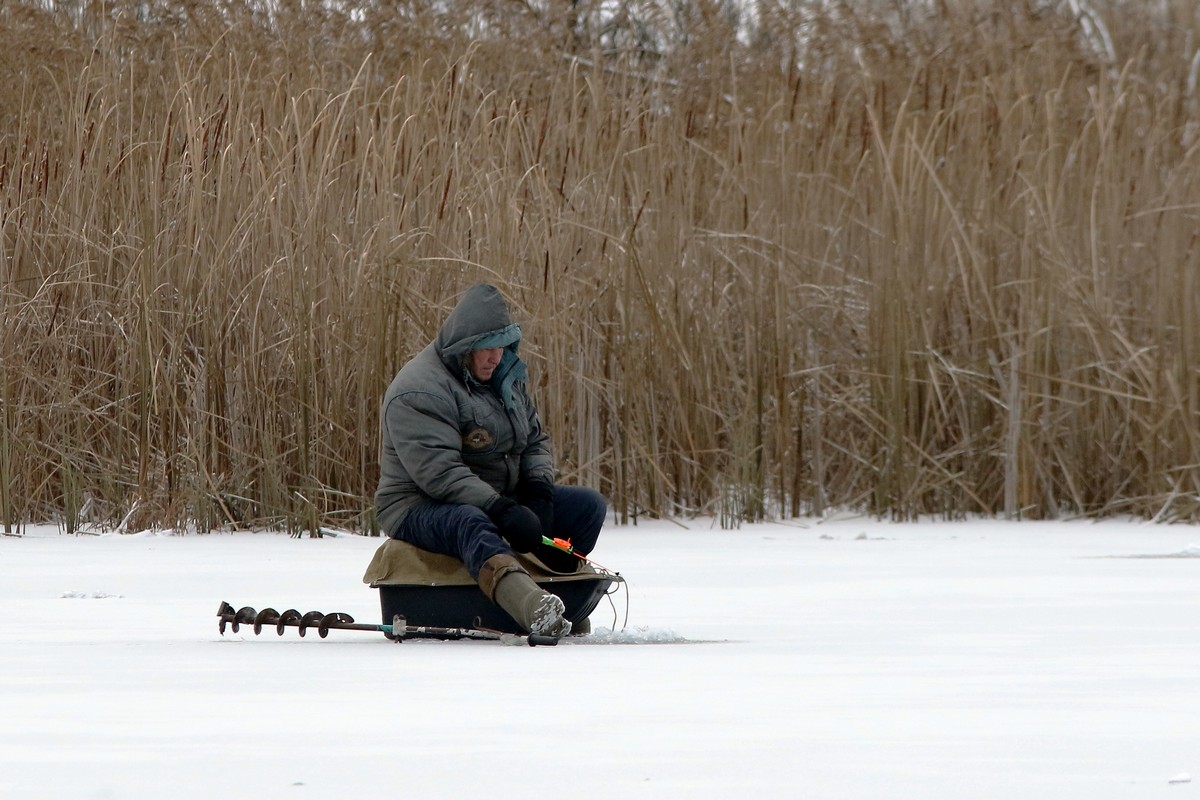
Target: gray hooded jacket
446,437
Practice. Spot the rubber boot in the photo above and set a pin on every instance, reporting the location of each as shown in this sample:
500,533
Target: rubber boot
507,584
534,609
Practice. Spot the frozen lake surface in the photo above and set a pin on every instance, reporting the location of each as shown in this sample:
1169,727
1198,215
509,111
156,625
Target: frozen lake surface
842,659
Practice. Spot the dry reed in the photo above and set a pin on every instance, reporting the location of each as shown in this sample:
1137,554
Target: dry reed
905,258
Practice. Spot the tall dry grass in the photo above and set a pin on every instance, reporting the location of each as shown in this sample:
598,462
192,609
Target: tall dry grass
907,258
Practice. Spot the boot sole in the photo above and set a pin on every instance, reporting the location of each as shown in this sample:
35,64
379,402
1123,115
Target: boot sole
548,617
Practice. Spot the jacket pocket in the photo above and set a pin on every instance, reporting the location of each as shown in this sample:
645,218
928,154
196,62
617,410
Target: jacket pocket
480,431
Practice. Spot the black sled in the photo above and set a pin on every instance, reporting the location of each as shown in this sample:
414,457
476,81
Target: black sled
428,589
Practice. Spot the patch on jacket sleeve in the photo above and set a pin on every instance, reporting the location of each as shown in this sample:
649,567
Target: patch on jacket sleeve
478,439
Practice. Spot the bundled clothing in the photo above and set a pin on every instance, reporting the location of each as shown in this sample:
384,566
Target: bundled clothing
458,455
449,438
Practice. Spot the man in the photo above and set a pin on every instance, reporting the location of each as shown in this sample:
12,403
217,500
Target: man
467,471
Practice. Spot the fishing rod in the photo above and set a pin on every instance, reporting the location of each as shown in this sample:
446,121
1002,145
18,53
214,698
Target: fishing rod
565,546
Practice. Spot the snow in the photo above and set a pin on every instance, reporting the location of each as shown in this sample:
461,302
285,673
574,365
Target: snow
844,658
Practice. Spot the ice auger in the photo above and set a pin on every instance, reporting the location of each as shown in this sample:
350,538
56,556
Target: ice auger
398,631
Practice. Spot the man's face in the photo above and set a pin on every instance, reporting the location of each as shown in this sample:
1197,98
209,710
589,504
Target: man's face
483,363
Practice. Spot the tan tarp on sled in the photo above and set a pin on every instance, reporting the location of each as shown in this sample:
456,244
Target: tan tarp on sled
398,563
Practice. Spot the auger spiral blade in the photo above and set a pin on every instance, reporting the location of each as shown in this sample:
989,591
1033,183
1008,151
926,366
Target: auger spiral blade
309,620
289,617
268,616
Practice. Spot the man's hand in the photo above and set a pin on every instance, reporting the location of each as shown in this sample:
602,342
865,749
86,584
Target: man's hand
517,524
537,494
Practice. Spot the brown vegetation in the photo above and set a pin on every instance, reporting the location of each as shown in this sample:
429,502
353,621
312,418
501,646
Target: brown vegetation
901,257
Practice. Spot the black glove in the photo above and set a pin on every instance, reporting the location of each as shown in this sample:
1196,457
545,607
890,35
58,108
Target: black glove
517,524
537,494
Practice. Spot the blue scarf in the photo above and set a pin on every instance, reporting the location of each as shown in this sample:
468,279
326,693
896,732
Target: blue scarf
508,374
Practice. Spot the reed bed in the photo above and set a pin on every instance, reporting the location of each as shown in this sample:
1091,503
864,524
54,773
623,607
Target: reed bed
904,258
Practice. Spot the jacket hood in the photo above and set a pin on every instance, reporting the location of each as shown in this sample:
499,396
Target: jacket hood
481,319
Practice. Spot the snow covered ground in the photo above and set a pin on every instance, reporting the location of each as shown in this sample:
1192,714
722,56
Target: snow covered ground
840,659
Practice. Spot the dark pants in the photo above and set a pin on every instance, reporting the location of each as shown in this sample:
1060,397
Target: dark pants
468,534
